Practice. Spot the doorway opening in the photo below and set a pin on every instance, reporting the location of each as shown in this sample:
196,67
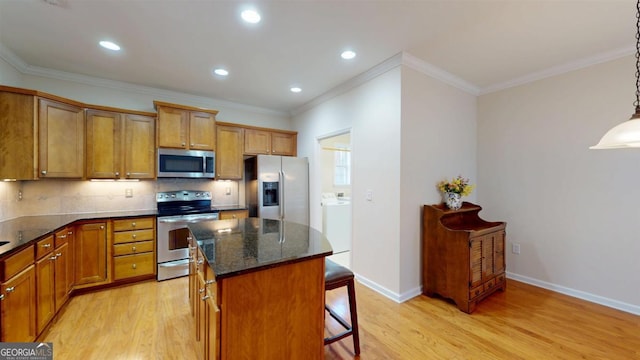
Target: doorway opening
335,163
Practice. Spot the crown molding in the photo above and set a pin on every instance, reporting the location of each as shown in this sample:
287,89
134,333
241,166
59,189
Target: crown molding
560,69
358,80
27,69
437,73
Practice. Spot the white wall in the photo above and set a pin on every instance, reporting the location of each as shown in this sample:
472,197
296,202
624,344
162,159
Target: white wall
438,142
9,76
372,112
573,210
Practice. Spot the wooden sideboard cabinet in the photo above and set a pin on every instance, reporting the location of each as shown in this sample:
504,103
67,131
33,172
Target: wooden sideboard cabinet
462,255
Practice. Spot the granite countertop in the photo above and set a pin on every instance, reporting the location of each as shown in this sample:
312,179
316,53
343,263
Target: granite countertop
229,207
19,232
238,246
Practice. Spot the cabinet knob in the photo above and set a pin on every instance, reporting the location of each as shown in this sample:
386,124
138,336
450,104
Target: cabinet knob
134,266
117,174
53,258
128,174
183,144
134,236
209,282
205,297
63,236
133,248
1,297
46,246
234,216
201,290
192,145
43,172
101,227
58,255
133,224
10,289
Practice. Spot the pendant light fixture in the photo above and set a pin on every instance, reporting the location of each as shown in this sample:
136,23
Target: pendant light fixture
627,134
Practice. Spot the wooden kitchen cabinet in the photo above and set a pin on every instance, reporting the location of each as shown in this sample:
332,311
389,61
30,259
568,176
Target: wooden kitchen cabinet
186,127
463,255
18,297
61,139
134,246
90,250
18,135
229,157
233,214
207,311
263,141
120,145
63,252
45,283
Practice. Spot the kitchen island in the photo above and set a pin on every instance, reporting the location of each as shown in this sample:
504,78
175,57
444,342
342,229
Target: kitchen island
257,289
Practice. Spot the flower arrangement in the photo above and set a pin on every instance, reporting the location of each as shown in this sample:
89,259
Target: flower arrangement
458,185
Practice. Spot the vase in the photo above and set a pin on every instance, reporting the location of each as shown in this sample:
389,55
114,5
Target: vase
453,200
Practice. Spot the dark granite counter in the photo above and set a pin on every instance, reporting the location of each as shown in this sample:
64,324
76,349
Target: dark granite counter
229,207
238,246
17,233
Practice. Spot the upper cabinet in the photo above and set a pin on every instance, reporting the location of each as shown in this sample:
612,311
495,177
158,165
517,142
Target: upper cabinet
229,161
18,135
120,145
61,139
268,142
185,127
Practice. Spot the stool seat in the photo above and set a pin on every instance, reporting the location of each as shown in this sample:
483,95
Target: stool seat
336,276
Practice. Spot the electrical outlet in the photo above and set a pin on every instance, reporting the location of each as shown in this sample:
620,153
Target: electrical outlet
515,248
19,195
228,191
128,193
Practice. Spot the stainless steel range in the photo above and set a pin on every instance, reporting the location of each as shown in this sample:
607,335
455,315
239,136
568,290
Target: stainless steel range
176,209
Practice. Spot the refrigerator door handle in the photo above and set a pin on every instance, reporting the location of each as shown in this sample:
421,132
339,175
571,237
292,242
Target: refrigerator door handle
282,195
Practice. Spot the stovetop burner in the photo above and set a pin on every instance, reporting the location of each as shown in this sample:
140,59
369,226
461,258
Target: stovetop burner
184,202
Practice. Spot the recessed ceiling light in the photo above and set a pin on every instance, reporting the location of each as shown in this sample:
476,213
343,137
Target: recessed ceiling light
348,55
221,72
295,89
109,45
251,16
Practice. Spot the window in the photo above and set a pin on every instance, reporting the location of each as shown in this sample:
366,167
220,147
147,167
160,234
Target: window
342,166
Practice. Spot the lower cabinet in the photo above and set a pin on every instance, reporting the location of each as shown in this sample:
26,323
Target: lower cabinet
134,248
91,254
45,284
233,214
207,312
18,305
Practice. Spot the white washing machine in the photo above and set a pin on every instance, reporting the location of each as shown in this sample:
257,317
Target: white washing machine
336,222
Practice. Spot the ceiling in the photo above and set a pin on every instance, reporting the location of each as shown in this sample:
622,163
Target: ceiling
174,44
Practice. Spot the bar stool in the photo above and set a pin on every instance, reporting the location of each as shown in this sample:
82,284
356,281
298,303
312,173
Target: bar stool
336,276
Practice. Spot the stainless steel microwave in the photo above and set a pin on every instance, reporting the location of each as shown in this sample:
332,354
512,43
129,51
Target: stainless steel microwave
177,163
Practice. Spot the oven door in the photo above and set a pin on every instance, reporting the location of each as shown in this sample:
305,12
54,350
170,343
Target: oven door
173,243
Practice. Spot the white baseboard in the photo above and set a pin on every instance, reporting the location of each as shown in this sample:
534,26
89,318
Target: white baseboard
615,304
399,298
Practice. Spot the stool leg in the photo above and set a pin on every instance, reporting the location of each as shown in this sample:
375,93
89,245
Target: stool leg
354,316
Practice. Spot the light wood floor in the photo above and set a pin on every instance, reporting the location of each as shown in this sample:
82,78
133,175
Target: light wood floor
151,320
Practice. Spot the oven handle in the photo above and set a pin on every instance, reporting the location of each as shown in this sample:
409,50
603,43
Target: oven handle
183,262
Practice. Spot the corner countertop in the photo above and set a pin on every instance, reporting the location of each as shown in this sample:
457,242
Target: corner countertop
19,232
239,246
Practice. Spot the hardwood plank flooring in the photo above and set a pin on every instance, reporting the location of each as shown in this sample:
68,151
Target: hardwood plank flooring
152,320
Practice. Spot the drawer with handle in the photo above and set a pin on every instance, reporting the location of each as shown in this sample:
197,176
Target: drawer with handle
133,224
133,248
133,235
133,265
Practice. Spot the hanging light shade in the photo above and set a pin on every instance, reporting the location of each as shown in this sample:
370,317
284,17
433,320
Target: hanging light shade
627,134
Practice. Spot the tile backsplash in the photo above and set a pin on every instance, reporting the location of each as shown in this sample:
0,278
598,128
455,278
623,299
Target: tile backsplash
50,196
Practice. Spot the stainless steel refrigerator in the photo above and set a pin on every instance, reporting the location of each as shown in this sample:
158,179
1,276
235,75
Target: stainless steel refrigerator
277,187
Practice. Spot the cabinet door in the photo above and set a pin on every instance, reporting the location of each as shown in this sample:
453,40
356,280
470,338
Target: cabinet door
45,290
283,144
139,147
212,333
498,252
18,307
91,253
202,131
257,142
18,136
229,161
61,140
103,144
63,274
172,127
487,257
475,259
